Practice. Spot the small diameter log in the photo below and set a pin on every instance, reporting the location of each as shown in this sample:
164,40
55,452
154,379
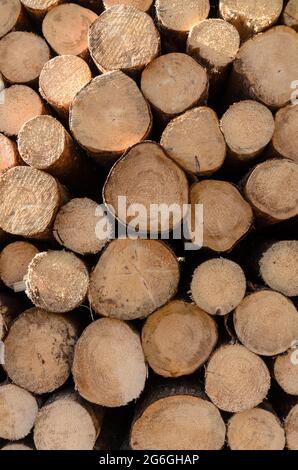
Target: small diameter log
255,429
18,410
66,27
29,202
61,79
67,422
22,57
123,38
109,115
9,156
178,338
174,83
133,278
143,5
227,216
290,14
286,371
195,142
250,17
19,103
14,261
57,281
39,350
248,127
12,16
266,322
263,71
109,367
16,446
218,286
286,130
146,176
39,8
236,379
272,190
81,227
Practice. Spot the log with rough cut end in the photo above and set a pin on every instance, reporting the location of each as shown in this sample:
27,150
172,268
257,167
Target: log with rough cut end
195,142
57,281
12,16
39,8
236,379
16,446
266,322
123,38
39,350
145,175
291,428
29,201
18,410
178,338
250,17
266,66
174,83
248,127
19,103
14,261
109,367
143,5
285,371
109,115
227,216
65,28
290,14
286,129
9,156
218,286
22,56
255,429
272,190
133,278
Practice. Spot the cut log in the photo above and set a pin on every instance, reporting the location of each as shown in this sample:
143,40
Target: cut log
100,369
14,262
236,379
18,410
263,71
123,38
22,57
65,28
250,17
290,14
61,79
39,350
29,201
248,127
109,115
9,156
266,322
146,177
67,422
57,281
133,278
174,83
272,190
19,103
16,446
39,8
195,142
218,286
78,227
178,338
286,130
291,428
12,16
286,371
227,216
255,429
10,307
143,5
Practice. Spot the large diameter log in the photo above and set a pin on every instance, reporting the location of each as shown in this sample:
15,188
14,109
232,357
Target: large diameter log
266,322
12,16
143,5
123,38
290,14
18,410
218,286
145,175
57,281
39,8
291,428
286,128
133,278
272,190
178,338
285,371
255,429
9,156
109,115
14,261
174,83
195,142
101,357
39,350
227,216
236,379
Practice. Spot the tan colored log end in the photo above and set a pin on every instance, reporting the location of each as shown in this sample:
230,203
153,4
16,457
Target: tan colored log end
14,261
9,156
11,15
290,14
286,371
286,130
143,5
39,8
291,428
16,446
